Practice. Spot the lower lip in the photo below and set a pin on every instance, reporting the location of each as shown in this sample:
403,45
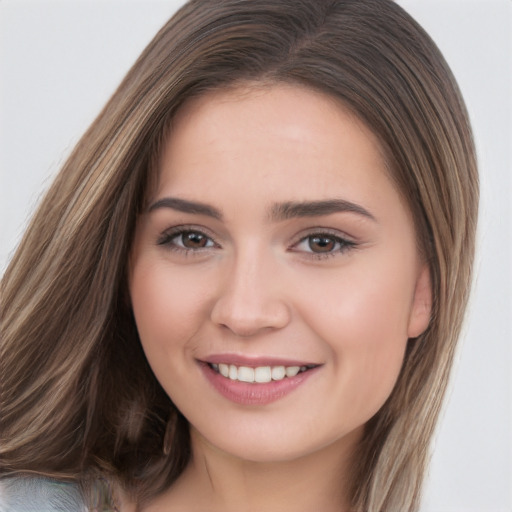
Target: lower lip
247,393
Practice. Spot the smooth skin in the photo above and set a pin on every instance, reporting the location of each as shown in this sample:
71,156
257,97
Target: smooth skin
338,284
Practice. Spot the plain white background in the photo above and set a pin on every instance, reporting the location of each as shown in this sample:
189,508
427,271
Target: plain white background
60,61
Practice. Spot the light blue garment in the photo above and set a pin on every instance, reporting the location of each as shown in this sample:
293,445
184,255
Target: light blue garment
37,494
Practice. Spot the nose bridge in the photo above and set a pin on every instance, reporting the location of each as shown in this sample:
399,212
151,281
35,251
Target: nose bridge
251,298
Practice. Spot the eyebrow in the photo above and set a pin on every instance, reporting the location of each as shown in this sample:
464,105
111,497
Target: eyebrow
182,205
289,210
278,212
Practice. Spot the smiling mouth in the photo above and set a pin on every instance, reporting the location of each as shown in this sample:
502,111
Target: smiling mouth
259,374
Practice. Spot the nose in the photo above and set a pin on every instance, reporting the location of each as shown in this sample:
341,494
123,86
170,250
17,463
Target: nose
251,299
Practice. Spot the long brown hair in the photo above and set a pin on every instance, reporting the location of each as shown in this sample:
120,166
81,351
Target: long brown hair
78,398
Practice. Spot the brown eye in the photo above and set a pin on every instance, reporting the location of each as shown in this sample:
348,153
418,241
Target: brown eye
186,240
193,240
322,243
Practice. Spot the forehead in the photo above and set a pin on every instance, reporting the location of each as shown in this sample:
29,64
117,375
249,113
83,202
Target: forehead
266,106
268,132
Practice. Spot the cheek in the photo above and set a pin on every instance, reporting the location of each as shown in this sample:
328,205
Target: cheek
167,307
363,321
368,304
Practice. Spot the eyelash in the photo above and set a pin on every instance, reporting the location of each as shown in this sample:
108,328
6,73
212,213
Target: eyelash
168,238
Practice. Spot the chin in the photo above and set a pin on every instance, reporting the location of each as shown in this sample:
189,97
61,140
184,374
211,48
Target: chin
277,445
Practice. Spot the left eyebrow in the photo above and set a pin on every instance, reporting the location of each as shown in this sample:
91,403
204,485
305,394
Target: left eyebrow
290,210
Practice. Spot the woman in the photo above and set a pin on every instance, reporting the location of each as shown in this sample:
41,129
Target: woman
268,177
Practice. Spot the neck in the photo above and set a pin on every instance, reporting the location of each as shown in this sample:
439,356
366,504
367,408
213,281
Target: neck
216,481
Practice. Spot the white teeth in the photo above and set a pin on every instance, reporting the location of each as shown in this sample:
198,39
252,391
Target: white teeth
291,371
246,374
233,372
223,369
278,373
261,374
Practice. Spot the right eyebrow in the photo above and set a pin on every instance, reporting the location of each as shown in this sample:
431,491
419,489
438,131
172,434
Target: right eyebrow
185,206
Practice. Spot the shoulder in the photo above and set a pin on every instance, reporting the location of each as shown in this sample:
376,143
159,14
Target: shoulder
38,494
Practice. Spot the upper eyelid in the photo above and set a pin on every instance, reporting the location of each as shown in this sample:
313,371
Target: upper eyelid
335,233
183,228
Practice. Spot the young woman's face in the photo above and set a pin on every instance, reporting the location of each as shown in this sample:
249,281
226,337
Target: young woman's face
275,278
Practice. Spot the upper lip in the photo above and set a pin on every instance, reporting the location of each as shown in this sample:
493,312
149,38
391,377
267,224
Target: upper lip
255,361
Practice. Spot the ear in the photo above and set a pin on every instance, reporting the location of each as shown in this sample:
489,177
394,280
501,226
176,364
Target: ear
422,304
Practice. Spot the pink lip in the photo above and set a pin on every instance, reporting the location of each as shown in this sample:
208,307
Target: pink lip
246,393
